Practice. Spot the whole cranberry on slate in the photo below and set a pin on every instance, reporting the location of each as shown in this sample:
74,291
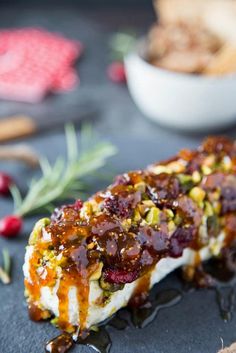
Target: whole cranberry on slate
5,183
10,226
116,72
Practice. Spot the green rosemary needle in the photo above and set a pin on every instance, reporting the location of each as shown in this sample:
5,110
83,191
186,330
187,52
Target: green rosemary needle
5,270
63,179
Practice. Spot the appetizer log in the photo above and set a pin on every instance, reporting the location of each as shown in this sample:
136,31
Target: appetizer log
90,259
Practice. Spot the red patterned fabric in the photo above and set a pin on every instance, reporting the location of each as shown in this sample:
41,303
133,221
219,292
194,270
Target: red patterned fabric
34,62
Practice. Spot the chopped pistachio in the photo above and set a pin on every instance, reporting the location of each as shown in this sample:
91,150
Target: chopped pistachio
140,186
148,203
177,219
216,195
94,328
213,225
54,321
169,213
185,181
196,177
215,247
171,226
184,178
201,204
86,210
217,207
61,261
158,169
153,216
208,209
197,194
90,246
110,287
97,274
126,223
206,170
136,217
35,234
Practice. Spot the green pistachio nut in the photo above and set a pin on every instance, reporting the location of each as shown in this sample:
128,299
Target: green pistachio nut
35,234
153,216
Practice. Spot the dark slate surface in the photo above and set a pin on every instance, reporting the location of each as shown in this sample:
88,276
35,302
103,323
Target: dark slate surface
194,325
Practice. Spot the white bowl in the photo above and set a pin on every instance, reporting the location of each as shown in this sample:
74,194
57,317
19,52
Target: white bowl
184,101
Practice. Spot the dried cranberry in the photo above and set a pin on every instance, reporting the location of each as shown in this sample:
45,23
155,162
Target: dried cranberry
228,194
121,202
189,211
194,164
118,248
155,241
180,239
213,181
10,226
120,276
163,189
5,183
103,224
77,205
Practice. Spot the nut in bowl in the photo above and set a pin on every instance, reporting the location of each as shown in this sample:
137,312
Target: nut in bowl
183,74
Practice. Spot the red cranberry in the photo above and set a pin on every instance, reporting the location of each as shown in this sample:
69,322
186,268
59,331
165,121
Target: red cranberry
116,72
5,183
120,276
77,205
180,240
10,226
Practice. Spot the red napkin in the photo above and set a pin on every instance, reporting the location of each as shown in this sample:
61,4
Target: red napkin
34,62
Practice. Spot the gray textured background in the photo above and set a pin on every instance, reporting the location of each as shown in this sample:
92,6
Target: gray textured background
194,325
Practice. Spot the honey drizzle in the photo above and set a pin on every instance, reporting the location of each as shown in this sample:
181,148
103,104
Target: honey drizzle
82,288
141,291
63,298
83,300
33,285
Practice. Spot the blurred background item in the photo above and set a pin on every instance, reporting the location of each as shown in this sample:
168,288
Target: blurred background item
34,62
183,74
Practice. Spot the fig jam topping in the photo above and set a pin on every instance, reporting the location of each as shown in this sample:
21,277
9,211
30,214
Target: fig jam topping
121,201
124,231
163,189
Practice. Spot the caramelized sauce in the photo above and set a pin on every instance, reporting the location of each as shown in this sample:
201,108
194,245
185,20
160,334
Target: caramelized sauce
144,315
60,344
35,313
100,340
63,296
141,291
218,274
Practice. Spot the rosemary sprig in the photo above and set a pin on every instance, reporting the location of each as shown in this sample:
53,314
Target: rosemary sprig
64,179
5,270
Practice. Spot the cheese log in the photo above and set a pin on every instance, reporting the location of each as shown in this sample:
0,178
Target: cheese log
91,259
